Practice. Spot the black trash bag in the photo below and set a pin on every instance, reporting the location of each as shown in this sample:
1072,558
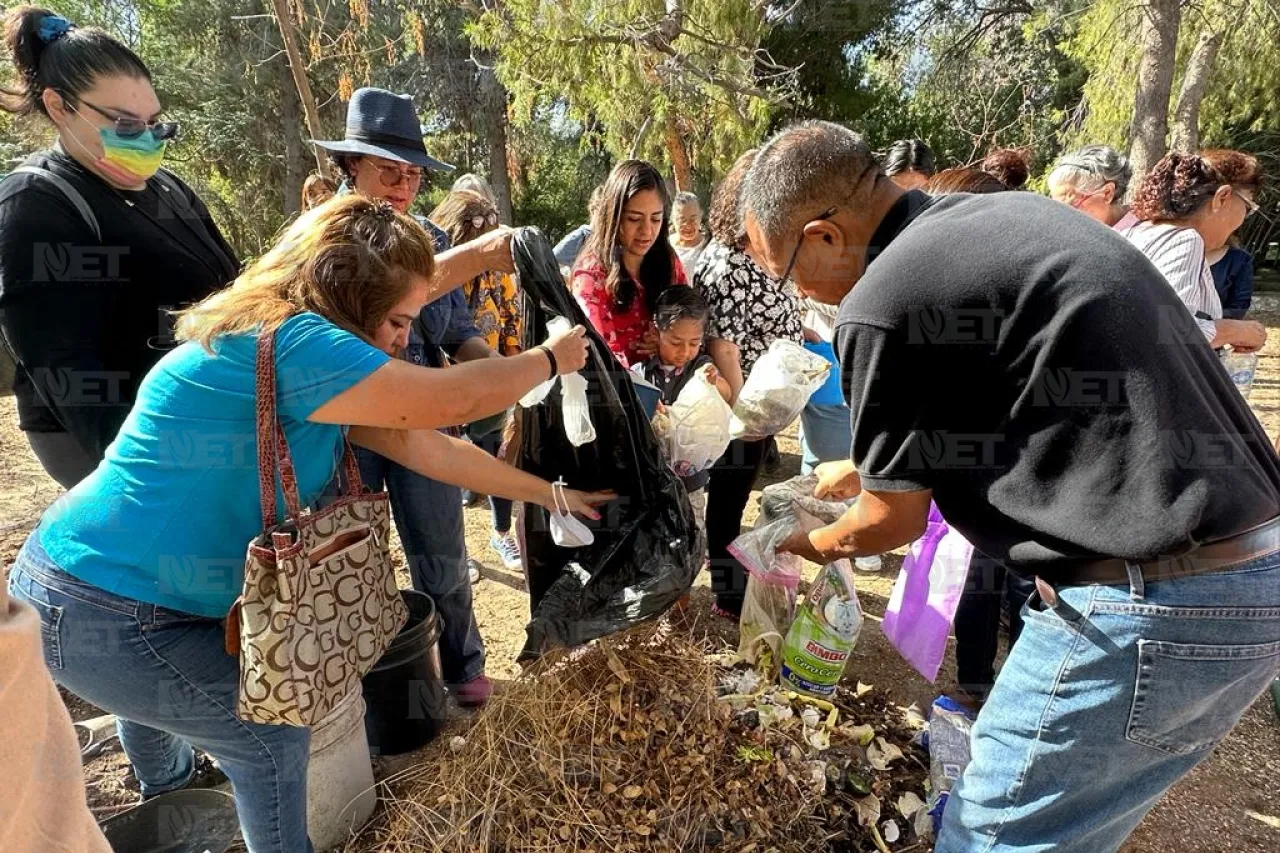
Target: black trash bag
647,548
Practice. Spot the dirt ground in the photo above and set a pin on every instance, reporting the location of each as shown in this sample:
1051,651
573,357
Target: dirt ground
1231,802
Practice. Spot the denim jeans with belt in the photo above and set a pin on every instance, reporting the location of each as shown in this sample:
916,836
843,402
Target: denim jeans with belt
169,679
1111,695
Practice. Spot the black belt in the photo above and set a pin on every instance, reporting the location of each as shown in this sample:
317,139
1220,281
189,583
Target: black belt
1217,556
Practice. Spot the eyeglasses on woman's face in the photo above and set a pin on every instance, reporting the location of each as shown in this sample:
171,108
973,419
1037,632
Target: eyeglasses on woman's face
131,127
392,175
1251,206
481,220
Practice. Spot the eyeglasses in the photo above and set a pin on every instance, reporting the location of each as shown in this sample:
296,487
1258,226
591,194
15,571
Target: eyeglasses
490,219
795,256
1251,206
128,127
393,176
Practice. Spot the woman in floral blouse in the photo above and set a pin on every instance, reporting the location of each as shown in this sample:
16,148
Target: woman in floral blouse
749,311
494,300
628,261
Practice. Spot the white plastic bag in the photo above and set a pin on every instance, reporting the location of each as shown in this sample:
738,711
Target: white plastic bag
573,395
577,415
697,429
775,393
539,392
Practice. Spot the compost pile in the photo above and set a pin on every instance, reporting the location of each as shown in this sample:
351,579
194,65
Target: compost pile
643,741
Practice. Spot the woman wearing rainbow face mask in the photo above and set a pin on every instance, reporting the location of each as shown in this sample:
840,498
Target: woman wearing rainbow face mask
98,245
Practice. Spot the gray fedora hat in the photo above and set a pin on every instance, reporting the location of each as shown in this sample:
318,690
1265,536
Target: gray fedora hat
384,124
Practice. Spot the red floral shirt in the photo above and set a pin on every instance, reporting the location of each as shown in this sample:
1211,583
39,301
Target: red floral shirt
623,331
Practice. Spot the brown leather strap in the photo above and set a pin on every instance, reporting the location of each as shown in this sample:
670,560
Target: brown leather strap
1217,556
273,447
355,486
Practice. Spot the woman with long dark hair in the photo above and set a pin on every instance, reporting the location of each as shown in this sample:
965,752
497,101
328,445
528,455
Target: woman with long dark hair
98,243
628,261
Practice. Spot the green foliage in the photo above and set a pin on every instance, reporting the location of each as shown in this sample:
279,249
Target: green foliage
1241,106
557,175
587,76
598,58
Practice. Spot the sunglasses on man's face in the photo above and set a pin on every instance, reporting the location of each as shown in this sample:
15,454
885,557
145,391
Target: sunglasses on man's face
393,176
490,219
128,127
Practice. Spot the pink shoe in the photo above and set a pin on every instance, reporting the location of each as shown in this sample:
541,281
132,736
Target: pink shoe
475,693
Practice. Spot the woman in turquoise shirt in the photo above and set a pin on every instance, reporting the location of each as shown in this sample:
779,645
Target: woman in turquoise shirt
134,568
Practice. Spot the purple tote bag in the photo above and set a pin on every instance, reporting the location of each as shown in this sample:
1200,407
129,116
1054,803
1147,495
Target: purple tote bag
925,596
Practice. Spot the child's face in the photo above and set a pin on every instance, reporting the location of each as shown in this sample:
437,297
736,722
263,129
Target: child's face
680,343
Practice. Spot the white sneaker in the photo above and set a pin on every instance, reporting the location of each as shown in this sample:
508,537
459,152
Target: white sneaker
473,571
508,549
868,564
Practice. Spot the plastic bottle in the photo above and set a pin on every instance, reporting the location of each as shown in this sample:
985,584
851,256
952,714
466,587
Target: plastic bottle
947,739
823,633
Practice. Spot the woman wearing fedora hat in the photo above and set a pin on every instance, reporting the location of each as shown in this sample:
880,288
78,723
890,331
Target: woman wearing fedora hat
382,157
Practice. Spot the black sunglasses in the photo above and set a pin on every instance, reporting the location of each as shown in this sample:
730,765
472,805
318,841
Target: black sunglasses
128,127
795,256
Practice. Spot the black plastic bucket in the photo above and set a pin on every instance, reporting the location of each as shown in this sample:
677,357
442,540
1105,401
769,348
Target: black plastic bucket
195,820
404,692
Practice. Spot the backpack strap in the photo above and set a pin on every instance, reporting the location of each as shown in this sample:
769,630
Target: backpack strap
170,183
72,194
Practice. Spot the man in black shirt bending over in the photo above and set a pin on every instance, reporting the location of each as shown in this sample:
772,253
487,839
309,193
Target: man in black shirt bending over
1028,370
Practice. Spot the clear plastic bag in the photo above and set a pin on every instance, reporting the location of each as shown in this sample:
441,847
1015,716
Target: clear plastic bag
697,429
775,393
782,500
772,580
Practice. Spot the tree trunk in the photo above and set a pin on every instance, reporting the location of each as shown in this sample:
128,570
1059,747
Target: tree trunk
679,156
1159,37
295,162
290,37
493,98
1186,118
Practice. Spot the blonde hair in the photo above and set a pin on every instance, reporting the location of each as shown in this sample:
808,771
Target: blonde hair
350,260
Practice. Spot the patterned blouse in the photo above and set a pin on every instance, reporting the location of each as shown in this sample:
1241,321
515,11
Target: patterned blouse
749,307
623,331
494,300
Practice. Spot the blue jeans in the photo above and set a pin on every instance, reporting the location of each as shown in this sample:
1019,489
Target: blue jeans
491,442
169,679
428,517
1112,694
825,435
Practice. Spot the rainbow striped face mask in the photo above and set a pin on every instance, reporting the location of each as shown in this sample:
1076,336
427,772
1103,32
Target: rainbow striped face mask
131,160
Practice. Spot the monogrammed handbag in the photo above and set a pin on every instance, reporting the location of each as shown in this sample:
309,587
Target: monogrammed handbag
320,603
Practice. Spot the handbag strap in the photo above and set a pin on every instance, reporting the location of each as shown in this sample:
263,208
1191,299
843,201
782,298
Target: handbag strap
273,448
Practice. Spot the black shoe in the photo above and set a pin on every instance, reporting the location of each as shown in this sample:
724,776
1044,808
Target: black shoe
206,775
470,498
